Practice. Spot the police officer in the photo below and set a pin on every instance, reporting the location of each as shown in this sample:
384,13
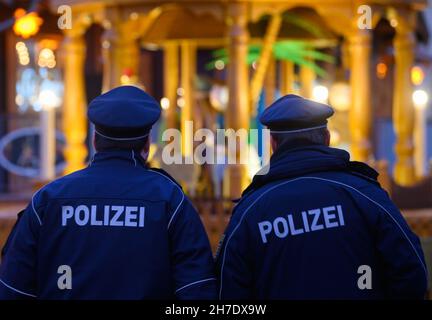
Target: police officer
114,230
316,226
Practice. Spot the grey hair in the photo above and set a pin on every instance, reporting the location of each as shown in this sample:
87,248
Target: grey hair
103,144
315,136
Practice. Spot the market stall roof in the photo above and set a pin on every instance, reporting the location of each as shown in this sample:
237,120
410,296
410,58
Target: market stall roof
205,20
298,23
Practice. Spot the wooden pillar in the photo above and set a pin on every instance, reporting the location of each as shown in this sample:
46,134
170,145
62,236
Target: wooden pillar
360,114
237,113
403,110
265,58
121,52
171,82
307,78
286,81
74,120
270,83
188,74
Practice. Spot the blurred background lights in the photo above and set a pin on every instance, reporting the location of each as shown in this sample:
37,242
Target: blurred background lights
420,98
106,24
165,103
219,65
417,75
128,77
49,98
20,46
46,59
125,79
26,24
320,93
381,70
181,102
393,22
24,60
23,53
340,96
219,97
19,100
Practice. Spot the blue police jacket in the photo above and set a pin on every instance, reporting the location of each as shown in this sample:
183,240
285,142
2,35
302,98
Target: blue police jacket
114,230
318,226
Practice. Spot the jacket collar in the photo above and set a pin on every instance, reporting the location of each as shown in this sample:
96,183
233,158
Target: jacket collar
124,156
301,158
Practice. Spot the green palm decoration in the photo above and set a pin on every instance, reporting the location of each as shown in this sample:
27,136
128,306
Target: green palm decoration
298,52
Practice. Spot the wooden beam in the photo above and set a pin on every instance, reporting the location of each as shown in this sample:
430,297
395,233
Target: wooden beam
74,121
237,114
403,109
307,78
264,59
171,82
286,81
270,83
360,114
188,73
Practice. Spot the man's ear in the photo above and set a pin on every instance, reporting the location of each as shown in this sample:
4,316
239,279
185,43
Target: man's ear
327,137
146,149
147,145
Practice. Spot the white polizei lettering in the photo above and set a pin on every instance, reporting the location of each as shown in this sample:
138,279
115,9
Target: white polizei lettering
141,216
106,215
116,216
328,216
294,231
82,209
114,220
284,226
276,223
305,221
316,213
131,215
265,227
94,221
340,214
67,213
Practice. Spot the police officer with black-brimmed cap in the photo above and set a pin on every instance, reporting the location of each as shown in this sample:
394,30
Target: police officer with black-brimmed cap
114,230
316,225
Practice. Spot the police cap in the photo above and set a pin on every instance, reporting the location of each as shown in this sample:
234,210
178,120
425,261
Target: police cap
124,113
292,113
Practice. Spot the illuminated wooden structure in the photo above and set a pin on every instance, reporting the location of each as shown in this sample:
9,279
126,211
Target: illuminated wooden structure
183,26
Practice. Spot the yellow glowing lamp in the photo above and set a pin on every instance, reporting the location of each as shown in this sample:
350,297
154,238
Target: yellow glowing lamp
417,75
381,70
26,24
